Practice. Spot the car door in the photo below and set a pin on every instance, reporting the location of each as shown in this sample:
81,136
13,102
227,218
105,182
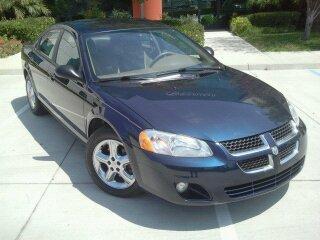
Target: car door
42,65
69,94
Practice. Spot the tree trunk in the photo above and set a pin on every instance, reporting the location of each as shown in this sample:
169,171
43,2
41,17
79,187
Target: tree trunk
313,11
308,27
198,11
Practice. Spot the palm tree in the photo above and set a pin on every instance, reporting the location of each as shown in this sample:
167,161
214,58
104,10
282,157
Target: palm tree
22,8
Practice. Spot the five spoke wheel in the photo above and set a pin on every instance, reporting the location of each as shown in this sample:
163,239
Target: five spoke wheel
31,95
112,164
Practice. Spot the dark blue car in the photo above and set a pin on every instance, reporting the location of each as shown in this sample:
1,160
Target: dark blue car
158,112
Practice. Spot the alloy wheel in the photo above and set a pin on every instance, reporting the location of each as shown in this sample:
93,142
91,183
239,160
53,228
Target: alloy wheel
112,164
31,94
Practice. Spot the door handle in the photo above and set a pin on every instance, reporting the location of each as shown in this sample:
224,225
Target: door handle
79,83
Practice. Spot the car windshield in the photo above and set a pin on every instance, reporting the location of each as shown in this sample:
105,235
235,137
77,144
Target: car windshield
128,53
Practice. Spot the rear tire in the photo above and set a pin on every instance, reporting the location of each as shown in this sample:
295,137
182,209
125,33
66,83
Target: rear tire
109,165
34,103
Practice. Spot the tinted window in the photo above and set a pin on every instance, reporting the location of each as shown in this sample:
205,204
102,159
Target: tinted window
48,41
68,52
148,51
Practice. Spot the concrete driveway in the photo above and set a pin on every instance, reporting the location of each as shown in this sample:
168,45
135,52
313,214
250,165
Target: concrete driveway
46,193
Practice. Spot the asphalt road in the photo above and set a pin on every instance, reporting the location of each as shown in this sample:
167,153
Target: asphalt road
46,193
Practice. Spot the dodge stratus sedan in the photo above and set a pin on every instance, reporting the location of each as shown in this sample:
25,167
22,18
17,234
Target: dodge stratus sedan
159,113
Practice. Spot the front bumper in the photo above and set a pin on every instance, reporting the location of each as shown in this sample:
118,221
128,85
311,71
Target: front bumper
220,176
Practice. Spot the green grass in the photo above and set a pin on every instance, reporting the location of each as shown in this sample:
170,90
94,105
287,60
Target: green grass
291,41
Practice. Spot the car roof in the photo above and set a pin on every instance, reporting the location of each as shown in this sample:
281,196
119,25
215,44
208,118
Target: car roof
99,25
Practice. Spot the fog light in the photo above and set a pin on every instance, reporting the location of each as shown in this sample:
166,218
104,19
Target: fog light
181,187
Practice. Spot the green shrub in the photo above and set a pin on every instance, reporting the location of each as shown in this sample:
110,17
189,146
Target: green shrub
208,20
66,10
275,5
274,19
188,26
9,46
118,14
241,26
94,12
264,4
26,30
165,15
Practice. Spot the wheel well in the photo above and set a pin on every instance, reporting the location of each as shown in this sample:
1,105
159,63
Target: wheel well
97,123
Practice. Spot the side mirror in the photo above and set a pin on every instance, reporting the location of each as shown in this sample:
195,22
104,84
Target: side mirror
68,72
209,50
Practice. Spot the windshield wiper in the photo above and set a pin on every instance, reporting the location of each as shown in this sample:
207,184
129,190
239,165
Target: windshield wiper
125,78
202,69
151,76
191,69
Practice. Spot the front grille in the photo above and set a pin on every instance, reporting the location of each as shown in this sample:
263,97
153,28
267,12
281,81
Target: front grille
243,144
254,163
282,132
253,188
286,151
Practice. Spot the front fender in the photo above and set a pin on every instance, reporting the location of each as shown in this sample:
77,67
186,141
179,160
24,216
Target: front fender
125,123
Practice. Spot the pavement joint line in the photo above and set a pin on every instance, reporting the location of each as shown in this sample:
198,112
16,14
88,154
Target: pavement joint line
17,114
226,227
44,192
307,114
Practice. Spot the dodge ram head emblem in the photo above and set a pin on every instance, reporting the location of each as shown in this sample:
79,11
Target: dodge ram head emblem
274,150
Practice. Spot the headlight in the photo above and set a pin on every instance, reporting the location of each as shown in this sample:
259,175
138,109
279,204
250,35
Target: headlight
172,144
294,114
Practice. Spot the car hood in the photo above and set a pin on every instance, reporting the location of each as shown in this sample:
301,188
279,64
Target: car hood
224,105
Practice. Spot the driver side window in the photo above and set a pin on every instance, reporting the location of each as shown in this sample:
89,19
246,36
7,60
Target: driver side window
68,52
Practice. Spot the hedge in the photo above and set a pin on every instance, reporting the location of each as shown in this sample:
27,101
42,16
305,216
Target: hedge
189,27
208,20
265,23
26,30
274,19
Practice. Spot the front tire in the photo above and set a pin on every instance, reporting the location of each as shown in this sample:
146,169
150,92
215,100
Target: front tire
109,165
34,103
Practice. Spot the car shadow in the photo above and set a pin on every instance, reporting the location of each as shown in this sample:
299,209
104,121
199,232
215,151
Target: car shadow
145,210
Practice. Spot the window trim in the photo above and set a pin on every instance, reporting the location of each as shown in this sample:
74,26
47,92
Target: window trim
77,44
95,78
54,48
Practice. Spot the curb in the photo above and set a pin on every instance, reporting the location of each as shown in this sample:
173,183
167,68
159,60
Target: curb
276,66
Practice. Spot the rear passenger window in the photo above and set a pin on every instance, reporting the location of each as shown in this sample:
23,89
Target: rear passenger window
48,42
68,52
